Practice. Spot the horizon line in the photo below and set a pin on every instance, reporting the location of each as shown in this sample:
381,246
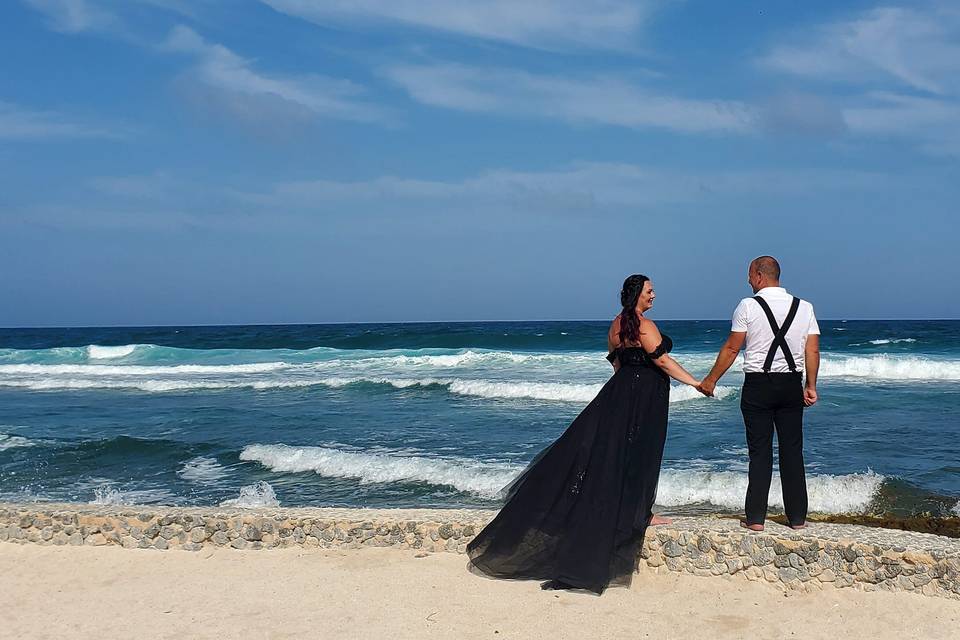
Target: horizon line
395,322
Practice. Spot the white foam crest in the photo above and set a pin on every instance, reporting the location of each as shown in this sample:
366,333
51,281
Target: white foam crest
252,496
138,370
202,470
96,352
533,390
886,367
472,476
549,391
892,341
109,495
554,391
561,392
956,508
472,358
399,383
558,392
851,493
12,442
683,393
158,386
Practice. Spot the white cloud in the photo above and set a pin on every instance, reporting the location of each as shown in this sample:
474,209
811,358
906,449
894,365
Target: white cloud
902,65
583,185
603,99
914,47
245,90
932,123
547,24
73,16
78,16
165,201
17,123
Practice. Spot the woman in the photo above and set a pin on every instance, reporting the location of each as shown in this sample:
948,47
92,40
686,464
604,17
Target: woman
577,514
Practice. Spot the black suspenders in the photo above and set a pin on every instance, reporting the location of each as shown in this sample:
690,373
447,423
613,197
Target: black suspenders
779,334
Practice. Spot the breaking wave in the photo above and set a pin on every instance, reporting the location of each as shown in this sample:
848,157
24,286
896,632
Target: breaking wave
203,470
851,493
259,494
883,367
96,352
470,476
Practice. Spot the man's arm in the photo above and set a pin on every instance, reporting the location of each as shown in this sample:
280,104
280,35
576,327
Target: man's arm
727,356
811,355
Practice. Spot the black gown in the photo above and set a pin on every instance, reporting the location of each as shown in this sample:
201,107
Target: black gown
578,512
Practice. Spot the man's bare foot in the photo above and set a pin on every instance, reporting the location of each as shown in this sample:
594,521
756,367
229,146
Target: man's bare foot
798,526
655,520
752,527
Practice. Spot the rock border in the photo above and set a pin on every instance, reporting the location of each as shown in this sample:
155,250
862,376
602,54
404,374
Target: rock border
820,556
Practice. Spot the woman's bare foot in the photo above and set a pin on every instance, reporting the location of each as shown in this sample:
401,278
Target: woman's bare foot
655,520
555,585
752,527
798,526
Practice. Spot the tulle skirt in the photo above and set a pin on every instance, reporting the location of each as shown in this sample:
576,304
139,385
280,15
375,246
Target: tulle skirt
578,512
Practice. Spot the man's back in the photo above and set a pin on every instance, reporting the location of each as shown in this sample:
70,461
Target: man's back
750,318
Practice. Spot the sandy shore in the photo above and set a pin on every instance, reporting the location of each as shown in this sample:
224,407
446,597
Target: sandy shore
86,592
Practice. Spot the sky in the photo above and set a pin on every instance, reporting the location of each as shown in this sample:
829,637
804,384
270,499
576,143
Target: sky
299,161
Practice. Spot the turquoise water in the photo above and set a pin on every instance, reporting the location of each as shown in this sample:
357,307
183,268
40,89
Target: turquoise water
442,414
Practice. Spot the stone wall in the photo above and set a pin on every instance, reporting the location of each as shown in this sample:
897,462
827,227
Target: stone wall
824,555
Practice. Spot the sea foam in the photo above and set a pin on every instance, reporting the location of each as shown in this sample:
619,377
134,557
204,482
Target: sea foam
493,389
850,493
202,470
96,352
110,495
884,367
581,393
97,370
12,442
552,377
259,494
471,476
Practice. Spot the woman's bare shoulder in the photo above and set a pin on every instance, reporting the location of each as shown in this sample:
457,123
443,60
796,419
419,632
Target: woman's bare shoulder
648,326
613,335
615,325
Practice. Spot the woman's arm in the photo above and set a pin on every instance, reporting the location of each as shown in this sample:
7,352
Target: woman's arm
650,339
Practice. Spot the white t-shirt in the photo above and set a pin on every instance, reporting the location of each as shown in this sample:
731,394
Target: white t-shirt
749,317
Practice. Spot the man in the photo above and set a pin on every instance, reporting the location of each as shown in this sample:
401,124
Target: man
782,339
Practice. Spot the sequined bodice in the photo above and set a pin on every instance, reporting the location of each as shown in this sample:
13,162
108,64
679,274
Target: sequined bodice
637,357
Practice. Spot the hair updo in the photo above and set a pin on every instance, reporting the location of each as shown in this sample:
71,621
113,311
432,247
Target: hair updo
629,320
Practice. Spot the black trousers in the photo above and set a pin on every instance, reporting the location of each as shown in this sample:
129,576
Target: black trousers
774,401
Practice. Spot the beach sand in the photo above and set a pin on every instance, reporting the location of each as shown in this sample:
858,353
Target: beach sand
98,592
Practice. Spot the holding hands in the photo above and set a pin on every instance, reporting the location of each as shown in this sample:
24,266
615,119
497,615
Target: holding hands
706,387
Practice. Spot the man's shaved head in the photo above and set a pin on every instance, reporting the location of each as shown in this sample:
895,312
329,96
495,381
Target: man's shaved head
768,266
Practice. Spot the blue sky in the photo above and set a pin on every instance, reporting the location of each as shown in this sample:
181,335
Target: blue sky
214,161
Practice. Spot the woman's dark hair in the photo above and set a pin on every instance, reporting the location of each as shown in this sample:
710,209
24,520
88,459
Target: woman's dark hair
629,320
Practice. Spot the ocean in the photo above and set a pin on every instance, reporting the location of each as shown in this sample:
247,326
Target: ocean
443,414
